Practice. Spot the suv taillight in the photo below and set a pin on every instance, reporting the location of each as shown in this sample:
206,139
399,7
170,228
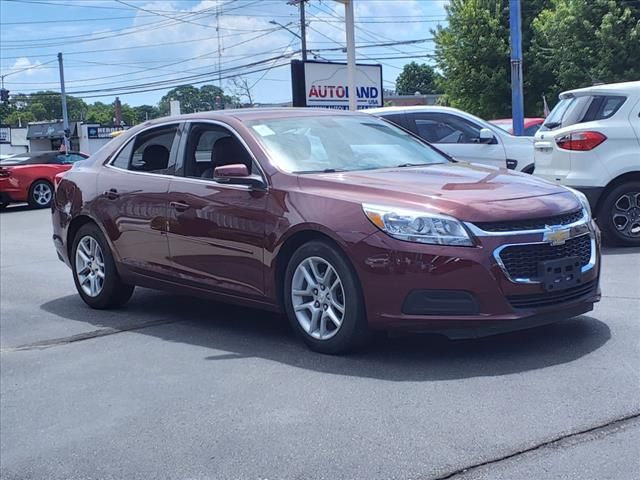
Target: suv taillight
582,141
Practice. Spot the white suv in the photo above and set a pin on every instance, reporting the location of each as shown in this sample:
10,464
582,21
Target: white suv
591,142
463,136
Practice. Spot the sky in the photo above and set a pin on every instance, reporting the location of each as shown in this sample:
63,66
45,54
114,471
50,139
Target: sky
139,49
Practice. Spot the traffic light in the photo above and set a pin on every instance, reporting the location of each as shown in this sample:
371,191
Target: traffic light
4,95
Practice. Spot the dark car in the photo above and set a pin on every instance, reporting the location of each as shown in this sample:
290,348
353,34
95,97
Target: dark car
30,177
343,221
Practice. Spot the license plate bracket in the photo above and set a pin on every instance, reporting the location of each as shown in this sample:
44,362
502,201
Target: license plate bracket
560,274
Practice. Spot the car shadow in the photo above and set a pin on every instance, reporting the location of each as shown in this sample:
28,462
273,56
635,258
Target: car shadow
18,207
609,250
241,333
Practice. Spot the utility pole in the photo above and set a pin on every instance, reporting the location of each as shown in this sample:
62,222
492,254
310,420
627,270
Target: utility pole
517,97
351,54
303,32
303,27
219,46
65,116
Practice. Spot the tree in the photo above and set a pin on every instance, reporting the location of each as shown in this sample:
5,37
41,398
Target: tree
18,117
193,99
146,112
129,115
214,98
473,53
52,105
582,42
417,78
242,89
100,113
187,95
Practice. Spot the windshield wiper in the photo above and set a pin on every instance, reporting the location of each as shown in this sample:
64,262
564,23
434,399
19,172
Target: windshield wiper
552,125
403,165
326,170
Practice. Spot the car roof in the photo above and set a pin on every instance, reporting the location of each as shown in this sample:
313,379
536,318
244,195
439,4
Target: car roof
526,119
249,114
611,88
414,108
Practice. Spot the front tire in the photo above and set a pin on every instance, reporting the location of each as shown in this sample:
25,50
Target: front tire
94,270
619,215
40,194
323,299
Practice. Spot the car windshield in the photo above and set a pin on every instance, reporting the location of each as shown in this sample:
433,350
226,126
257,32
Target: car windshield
340,143
15,159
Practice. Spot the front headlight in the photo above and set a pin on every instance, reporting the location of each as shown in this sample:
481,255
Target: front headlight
582,198
420,227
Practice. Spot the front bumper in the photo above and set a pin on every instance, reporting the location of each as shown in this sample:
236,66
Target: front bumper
469,291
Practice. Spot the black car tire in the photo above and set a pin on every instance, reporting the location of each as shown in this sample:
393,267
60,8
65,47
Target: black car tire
115,292
33,197
608,211
353,331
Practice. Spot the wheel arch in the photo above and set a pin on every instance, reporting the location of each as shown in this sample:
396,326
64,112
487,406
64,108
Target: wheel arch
75,225
40,179
291,244
633,176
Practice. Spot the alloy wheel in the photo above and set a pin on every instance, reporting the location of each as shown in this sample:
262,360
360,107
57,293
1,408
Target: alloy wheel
626,214
90,269
318,299
42,194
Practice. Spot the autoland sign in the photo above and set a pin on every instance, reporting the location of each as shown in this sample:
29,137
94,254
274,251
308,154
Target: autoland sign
324,84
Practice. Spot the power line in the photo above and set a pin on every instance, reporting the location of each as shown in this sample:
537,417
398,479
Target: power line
252,55
134,47
119,32
76,20
31,67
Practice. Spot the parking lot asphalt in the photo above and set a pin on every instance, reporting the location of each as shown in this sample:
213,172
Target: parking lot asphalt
172,387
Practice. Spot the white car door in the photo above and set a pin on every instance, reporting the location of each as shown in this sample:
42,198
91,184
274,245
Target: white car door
458,137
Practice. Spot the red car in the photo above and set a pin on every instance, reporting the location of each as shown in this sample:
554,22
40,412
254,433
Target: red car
341,220
531,125
29,177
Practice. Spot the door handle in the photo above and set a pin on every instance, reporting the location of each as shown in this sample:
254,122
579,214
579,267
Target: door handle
180,206
112,194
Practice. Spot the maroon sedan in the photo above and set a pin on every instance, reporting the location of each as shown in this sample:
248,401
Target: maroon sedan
343,221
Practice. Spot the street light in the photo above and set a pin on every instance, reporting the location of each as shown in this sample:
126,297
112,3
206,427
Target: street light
301,37
273,22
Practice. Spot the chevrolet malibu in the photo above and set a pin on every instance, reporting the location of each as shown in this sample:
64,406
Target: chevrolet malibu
342,221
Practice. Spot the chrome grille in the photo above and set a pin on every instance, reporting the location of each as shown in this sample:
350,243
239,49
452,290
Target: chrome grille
530,224
521,261
548,299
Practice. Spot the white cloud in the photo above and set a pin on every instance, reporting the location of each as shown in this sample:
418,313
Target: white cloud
25,66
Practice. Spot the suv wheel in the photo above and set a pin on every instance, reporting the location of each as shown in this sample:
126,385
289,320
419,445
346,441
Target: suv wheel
40,194
323,300
619,216
94,271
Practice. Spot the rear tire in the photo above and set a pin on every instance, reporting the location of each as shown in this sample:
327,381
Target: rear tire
323,299
94,270
40,194
619,215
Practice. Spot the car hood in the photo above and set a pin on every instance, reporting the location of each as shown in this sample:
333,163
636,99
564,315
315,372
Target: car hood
466,191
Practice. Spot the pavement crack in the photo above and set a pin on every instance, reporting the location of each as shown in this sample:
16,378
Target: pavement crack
595,432
101,332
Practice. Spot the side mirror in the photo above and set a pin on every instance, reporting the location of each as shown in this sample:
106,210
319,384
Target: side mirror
486,136
237,174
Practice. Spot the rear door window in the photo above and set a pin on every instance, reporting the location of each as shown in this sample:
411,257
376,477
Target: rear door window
603,107
445,128
151,151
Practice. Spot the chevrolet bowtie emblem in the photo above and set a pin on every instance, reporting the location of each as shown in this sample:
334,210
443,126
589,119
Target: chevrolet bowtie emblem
557,235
